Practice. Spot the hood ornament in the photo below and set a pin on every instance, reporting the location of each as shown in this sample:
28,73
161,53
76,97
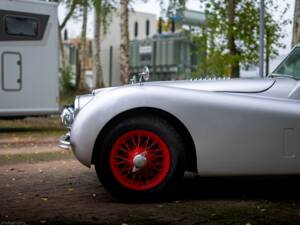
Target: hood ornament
144,75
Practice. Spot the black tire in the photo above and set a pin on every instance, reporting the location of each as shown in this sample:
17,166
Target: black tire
105,151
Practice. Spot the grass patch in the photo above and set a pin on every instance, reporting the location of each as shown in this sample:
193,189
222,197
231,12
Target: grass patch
32,123
35,157
32,127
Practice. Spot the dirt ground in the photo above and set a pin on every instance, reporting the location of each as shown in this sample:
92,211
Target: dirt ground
41,184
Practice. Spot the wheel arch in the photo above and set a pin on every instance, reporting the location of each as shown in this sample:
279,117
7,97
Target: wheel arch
189,145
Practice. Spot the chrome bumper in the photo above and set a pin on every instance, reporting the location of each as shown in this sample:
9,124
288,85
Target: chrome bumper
64,141
67,118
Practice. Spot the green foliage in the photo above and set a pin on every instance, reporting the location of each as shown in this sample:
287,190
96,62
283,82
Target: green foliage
106,9
212,63
174,7
75,7
65,81
244,30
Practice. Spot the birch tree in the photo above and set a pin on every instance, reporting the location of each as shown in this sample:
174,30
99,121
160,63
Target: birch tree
296,26
81,85
173,5
102,13
97,68
124,47
70,6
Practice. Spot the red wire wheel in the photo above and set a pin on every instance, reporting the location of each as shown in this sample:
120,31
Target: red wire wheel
140,160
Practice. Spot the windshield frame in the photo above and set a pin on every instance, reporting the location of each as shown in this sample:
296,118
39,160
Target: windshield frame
273,74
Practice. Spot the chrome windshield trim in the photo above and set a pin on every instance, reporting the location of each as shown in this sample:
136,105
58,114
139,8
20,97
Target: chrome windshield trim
274,75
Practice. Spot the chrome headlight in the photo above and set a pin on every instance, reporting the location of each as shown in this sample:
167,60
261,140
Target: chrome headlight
81,101
76,104
67,116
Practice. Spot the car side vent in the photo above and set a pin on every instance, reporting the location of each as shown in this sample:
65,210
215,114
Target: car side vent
289,143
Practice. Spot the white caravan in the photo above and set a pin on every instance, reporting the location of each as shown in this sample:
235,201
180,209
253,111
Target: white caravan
28,58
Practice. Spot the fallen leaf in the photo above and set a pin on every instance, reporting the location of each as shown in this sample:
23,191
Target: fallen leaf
45,199
70,189
94,195
43,221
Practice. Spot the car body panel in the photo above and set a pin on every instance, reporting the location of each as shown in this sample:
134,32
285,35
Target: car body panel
253,130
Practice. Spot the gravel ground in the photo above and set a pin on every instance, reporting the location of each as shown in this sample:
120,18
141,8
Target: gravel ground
40,184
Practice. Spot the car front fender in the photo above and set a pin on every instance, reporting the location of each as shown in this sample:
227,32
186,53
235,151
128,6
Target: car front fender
105,106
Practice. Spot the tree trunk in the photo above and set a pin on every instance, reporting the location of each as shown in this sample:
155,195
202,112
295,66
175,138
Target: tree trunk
82,85
296,27
60,29
204,50
124,54
78,68
235,67
267,46
69,14
62,50
96,45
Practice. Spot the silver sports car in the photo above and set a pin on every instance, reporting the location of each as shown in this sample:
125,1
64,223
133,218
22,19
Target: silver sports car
142,137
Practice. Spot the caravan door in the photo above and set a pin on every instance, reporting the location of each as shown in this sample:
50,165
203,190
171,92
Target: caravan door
11,71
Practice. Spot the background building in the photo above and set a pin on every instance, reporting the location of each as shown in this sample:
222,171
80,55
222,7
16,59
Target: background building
71,49
166,47
142,26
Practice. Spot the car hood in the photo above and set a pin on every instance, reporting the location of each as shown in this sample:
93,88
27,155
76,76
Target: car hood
221,85
216,85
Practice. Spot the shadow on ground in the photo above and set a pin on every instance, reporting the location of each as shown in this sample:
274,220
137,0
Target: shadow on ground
267,187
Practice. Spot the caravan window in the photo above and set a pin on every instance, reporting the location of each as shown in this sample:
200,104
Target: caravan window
21,26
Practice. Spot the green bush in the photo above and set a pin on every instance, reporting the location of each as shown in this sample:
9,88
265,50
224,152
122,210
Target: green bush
66,86
65,81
